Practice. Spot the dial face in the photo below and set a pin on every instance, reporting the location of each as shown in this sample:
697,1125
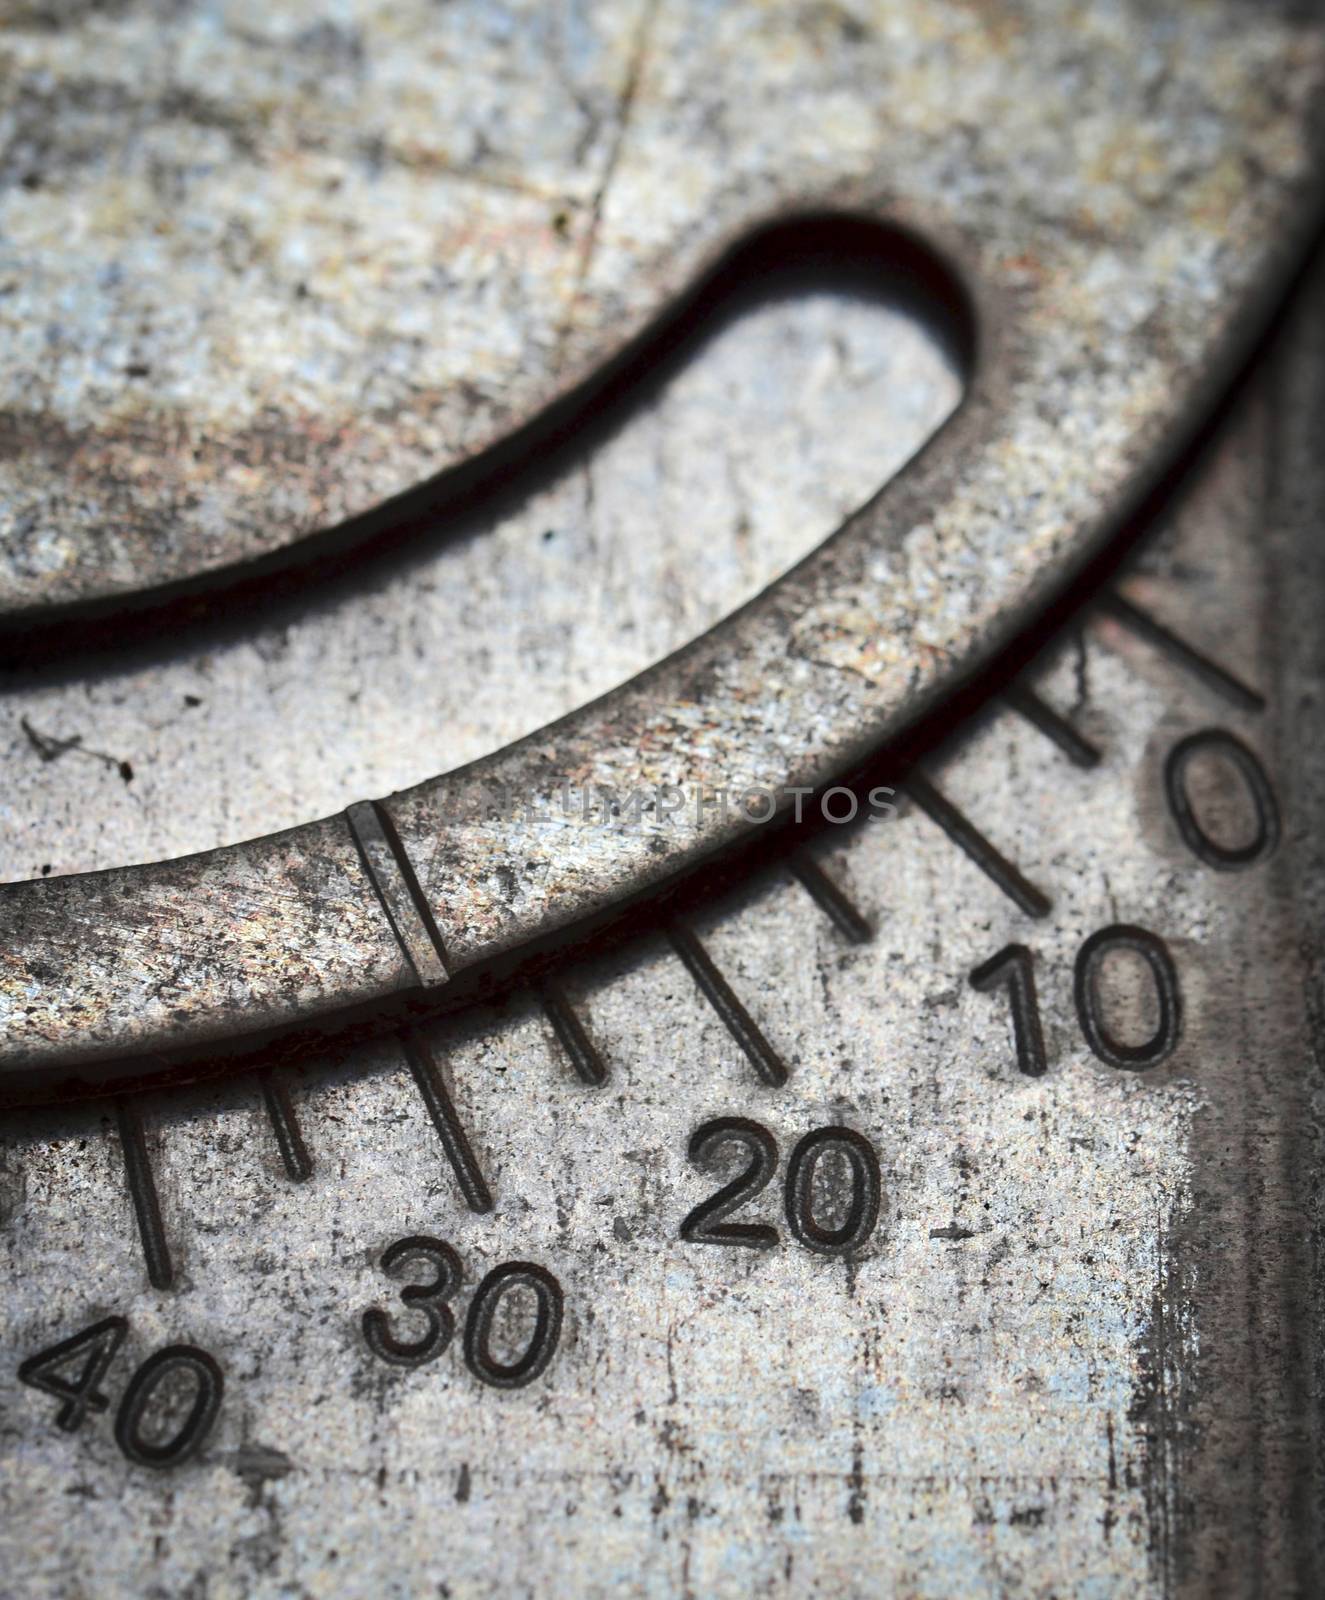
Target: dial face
899,1196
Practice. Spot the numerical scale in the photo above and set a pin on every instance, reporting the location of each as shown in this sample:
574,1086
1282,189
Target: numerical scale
820,1098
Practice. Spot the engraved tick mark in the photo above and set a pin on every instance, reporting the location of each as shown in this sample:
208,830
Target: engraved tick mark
1178,650
459,1152
716,990
142,1191
589,1066
968,838
403,900
1055,727
285,1125
829,898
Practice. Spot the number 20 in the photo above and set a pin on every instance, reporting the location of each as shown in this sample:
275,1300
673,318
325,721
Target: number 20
707,1223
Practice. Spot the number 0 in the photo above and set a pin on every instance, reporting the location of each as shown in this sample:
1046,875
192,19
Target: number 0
483,1313
1221,857
1154,952
866,1189
207,1386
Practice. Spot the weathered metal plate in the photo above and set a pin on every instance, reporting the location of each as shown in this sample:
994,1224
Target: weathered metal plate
1072,1358
264,268
1077,1353
750,453
1115,268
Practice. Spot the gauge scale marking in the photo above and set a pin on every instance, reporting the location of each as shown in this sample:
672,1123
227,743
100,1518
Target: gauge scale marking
973,1203
918,590
1007,1281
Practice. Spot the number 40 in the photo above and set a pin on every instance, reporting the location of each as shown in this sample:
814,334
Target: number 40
86,1356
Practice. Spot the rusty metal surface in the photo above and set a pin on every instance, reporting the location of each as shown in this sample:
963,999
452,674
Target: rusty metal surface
1106,268
1066,1362
264,269
294,921
1120,265
750,454
1077,1355
1108,272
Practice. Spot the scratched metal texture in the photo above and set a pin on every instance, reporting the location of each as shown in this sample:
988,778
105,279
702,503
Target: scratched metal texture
707,491
1076,1358
1121,189
999,1399
264,267
747,456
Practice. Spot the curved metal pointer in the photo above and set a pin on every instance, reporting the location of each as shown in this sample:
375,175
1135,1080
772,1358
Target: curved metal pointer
1121,242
